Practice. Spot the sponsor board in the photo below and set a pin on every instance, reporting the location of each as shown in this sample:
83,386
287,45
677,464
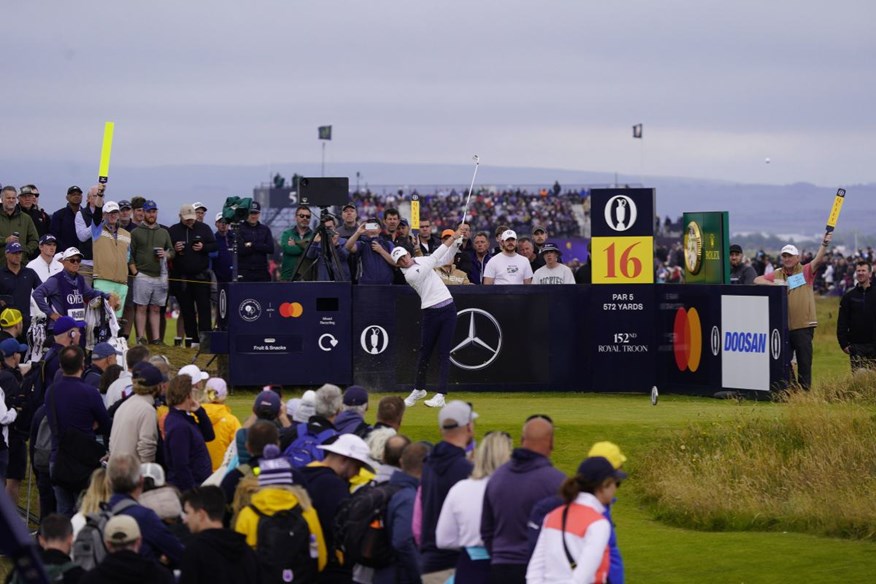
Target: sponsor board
745,342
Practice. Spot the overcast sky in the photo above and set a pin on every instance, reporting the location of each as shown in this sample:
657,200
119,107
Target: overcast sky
719,86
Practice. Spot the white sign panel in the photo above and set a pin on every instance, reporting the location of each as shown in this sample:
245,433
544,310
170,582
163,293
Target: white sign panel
745,342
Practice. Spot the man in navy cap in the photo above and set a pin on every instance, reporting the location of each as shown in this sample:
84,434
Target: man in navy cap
256,244
46,264
17,282
351,420
102,357
67,332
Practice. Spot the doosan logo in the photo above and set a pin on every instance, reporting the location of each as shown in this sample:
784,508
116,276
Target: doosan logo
740,342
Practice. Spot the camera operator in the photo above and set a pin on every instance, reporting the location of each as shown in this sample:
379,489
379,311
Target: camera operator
193,241
256,244
326,268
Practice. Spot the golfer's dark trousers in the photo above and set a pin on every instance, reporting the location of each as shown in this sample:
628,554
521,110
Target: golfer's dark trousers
194,304
801,344
437,329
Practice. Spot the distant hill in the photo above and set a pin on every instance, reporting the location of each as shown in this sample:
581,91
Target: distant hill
777,209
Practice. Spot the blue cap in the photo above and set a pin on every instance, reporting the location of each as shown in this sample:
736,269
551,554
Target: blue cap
48,238
14,247
598,468
147,374
356,395
65,323
267,404
11,346
150,205
104,350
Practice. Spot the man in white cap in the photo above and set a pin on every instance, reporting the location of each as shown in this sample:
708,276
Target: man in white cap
200,211
508,267
801,303
328,484
439,313
111,245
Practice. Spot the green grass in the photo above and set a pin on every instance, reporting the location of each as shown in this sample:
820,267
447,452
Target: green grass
656,552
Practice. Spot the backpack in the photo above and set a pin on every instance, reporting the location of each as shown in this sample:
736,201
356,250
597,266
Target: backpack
359,527
303,449
88,547
55,572
42,447
285,548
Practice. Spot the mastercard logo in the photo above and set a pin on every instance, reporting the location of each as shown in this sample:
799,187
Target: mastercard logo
291,309
688,344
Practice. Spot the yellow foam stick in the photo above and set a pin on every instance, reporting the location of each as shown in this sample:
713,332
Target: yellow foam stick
835,211
105,151
415,212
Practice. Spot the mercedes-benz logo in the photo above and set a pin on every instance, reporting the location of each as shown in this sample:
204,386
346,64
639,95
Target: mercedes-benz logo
484,337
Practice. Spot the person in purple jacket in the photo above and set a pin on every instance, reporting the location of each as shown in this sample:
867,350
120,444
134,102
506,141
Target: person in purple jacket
512,492
376,269
187,429
72,403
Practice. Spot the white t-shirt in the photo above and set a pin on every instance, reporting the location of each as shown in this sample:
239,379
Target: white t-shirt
559,275
508,269
119,388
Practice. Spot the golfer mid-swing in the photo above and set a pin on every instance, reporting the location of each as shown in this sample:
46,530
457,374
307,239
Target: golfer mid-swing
439,314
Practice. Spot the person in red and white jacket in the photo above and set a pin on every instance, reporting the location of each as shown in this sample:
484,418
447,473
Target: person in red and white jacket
573,544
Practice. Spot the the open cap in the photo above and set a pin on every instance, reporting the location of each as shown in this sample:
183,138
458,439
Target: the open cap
397,253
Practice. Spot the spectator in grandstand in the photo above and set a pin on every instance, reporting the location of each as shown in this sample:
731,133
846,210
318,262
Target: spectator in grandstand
573,545
526,248
404,235
801,303
498,234
553,272
151,249
126,212
446,465
187,430
71,403
28,202
449,272
193,242
427,241
63,220
135,425
328,484
45,264
17,226
214,554
399,514
125,562
856,321
740,273
510,496
508,267
221,260
136,211
459,525
294,241
17,282
256,245
373,251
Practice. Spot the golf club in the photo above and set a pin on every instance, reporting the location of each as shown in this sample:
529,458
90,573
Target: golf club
477,162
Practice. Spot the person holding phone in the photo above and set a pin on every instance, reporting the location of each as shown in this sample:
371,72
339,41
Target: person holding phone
294,242
375,268
90,214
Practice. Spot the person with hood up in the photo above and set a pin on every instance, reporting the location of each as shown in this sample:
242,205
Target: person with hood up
351,420
214,554
512,492
445,466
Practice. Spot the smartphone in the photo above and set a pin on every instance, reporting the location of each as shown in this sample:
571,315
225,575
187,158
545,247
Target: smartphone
371,226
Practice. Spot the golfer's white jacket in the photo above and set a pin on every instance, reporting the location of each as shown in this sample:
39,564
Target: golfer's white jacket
422,277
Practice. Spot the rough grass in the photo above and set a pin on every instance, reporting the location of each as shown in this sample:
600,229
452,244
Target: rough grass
811,469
